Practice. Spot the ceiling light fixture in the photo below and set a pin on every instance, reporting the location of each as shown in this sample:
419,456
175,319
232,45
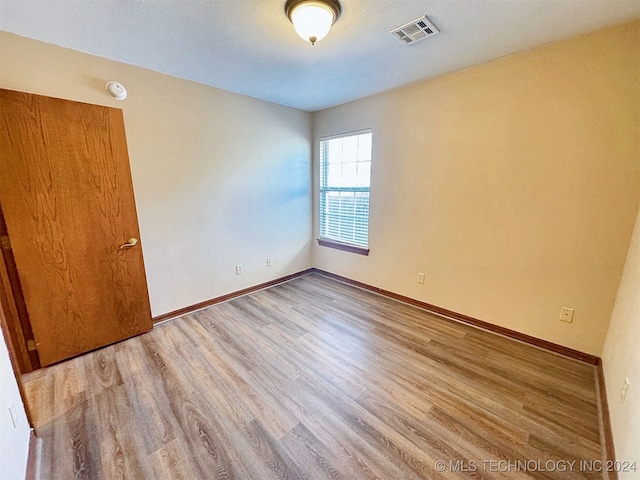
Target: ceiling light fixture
312,19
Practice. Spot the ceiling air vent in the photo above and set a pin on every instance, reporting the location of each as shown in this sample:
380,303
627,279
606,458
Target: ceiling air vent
415,31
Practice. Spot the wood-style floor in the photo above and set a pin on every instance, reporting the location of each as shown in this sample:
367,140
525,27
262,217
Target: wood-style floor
314,379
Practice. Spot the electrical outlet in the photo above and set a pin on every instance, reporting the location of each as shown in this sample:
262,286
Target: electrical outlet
239,269
625,389
269,262
13,414
566,314
420,277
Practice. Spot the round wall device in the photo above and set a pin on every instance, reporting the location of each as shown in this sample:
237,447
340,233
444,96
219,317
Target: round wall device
116,90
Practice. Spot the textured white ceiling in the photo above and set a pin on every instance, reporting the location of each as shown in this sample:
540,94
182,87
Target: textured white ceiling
249,46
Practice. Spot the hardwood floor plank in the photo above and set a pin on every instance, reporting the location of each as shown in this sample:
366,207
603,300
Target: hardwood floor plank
147,400
174,461
364,460
81,422
102,369
272,454
255,399
395,447
119,453
316,459
202,433
313,379
39,392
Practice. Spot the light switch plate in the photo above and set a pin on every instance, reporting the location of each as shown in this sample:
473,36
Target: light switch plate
13,414
625,389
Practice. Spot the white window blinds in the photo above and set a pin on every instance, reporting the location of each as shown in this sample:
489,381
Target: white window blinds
345,167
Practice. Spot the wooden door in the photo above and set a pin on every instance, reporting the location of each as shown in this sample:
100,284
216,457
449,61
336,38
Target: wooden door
67,198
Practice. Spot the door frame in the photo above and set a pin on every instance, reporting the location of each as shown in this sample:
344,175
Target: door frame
14,345
16,326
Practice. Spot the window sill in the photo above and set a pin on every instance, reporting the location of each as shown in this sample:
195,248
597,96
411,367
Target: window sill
343,246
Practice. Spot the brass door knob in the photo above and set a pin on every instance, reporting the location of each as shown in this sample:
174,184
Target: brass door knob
132,242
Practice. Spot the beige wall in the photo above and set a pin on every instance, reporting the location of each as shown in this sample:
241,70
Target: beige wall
621,358
219,178
513,185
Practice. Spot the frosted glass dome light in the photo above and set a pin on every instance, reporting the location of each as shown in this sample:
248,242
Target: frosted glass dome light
312,19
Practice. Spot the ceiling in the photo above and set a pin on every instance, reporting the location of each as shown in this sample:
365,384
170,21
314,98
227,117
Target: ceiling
249,46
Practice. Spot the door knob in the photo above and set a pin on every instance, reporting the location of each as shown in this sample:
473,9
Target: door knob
132,242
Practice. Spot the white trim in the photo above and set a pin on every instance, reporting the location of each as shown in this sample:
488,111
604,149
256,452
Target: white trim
347,134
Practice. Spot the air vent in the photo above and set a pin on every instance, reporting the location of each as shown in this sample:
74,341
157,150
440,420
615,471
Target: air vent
415,31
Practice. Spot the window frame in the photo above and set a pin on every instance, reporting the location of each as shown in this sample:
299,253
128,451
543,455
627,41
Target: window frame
322,189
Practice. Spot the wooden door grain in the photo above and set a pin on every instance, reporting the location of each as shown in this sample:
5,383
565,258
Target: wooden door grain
67,197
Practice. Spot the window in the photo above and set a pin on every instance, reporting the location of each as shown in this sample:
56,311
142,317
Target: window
345,168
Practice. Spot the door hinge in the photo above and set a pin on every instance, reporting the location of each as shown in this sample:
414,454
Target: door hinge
31,345
6,244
